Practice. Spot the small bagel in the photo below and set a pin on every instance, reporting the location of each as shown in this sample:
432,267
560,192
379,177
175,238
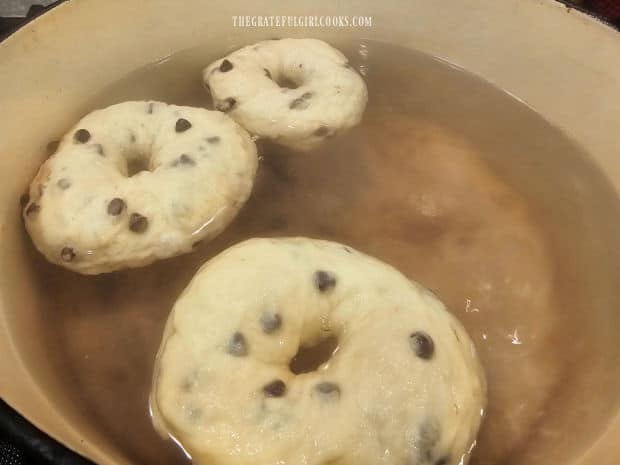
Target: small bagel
250,85
89,212
403,386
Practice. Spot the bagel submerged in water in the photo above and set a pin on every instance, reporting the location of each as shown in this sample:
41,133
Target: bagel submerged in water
136,182
403,386
296,92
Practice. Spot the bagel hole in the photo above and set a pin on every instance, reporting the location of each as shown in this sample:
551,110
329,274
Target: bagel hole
286,83
310,358
137,165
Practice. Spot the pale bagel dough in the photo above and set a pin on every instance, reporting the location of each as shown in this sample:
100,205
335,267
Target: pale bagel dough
250,85
404,386
89,214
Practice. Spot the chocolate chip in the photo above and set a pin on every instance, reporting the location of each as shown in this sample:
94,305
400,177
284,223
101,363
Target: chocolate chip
226,105
116,207
324,281
270,322
138,223
427,437
213,139
67,254
149,108
32,209
425,440
321,131
99,149
267,73
182,125
226,66
81,136
347,249
185,159
24,199
327,389
52,147
132,138
192,380
301,103
237,346
422,345
63,183
276,388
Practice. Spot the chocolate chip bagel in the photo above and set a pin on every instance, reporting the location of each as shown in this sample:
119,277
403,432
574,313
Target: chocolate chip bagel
136,182
401,383
296,92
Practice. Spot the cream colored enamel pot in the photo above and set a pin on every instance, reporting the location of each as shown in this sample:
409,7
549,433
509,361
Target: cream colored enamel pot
561,62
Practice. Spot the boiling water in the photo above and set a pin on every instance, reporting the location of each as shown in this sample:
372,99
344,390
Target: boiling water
447,178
